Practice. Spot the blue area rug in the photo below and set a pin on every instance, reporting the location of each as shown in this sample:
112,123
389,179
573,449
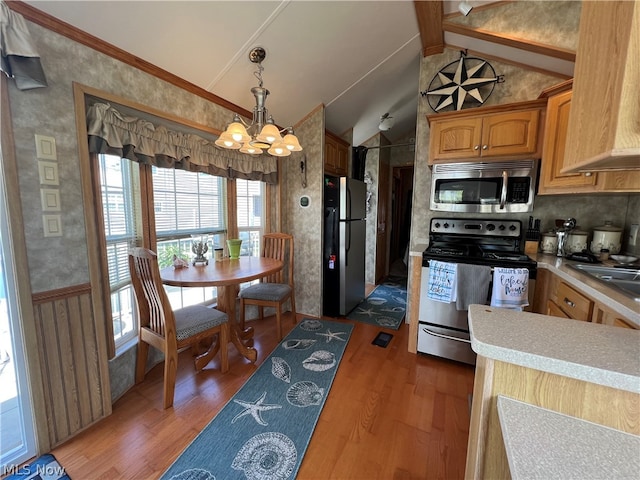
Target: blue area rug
264,430
386,306
45,467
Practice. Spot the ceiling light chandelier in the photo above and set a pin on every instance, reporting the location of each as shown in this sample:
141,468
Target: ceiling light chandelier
262,133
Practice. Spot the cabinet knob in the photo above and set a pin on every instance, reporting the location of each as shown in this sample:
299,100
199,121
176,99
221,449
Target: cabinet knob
477,147
484,147
587,174
569,302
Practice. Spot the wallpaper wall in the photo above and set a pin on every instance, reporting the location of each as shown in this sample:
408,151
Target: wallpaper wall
305,223
371,173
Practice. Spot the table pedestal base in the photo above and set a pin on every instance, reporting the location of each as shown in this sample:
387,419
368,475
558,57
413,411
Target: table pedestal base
242,339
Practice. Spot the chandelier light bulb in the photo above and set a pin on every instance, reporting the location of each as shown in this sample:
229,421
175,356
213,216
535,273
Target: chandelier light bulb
226,140
269,133
248,148
291,141
279,149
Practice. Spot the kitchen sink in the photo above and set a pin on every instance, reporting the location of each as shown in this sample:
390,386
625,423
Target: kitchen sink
624,279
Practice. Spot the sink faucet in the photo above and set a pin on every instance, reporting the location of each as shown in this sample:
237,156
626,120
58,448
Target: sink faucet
562,233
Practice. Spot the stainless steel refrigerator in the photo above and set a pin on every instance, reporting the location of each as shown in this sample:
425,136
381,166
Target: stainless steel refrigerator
344,244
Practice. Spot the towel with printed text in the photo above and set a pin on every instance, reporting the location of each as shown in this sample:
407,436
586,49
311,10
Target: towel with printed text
510,288
442,281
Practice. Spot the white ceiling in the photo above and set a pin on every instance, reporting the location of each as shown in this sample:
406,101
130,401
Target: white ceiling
360,59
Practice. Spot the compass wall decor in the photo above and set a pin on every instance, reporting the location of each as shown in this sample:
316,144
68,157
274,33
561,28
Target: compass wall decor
464,83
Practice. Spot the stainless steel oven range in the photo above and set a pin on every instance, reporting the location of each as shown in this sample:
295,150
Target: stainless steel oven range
443,330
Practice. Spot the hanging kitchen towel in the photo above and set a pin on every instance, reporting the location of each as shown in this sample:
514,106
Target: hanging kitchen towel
442,281
510,288
473,285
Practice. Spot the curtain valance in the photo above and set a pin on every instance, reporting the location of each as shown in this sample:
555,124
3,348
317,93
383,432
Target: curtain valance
140,140
19,59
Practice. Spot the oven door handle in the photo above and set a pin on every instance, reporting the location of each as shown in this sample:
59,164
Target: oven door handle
448,337
503,194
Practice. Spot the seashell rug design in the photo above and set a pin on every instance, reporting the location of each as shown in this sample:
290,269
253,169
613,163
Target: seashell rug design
385,307
264,430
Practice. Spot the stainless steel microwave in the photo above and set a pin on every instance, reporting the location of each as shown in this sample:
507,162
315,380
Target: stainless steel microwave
496,187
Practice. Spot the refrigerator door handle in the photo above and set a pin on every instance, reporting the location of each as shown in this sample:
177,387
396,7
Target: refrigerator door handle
347,234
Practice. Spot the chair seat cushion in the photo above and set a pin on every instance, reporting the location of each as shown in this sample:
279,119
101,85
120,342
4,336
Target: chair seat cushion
270,292
195,319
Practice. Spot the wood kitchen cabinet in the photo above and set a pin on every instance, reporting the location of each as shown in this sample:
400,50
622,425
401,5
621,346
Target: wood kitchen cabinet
553,296
572,303
604,315
604,131
501,132
552,180
336,155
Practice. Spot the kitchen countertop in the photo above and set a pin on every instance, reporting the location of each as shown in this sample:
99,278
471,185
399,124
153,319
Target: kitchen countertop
543,444
590,352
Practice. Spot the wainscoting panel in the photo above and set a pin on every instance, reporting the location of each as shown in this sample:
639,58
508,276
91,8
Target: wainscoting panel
75,381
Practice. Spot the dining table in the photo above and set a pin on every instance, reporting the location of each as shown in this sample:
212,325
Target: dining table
226,274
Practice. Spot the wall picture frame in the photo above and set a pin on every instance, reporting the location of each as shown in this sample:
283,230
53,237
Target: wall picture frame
46,147
48,172
50,199
52,225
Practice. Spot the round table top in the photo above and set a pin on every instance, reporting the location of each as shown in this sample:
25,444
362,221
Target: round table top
222,273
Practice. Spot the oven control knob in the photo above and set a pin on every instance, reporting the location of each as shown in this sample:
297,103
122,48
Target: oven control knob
501,227
491,227
446,225
437,225
512,228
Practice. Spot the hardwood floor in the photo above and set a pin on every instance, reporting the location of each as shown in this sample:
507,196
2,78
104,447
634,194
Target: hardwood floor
389,415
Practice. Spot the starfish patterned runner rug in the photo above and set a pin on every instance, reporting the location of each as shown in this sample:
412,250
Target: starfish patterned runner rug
385,307
264,430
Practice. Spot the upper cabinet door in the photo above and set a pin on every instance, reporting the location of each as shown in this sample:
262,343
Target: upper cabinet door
512,133
336,155
604,131
552,178
455,139
555,140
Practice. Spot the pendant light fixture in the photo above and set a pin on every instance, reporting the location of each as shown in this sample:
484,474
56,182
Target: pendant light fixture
262,133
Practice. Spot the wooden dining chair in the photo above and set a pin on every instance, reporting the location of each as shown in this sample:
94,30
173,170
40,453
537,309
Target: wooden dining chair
169,330
273,290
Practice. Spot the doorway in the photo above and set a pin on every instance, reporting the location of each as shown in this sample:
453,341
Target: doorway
401,198
17,436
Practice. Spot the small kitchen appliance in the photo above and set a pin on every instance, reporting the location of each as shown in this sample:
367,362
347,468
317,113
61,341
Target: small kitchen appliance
486,188
607,237
443,330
